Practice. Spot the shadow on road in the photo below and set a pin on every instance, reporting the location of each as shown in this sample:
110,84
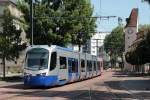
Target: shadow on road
76,95
130,83
119,73
12,79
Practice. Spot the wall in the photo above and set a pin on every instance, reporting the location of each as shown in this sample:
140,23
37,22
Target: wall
99,42
129,39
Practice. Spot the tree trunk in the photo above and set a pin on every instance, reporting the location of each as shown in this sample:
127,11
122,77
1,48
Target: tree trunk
122,62
3,62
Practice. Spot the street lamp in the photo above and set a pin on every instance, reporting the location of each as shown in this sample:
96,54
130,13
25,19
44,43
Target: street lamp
31,21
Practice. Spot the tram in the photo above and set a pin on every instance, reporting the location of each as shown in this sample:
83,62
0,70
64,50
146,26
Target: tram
53,65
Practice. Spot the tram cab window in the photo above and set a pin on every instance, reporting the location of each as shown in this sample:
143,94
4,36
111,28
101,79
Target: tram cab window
82,65
37,59
53,61
63,63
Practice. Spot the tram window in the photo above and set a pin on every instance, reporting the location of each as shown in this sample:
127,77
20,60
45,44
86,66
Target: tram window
73,66
53,61
63,64
94,65
76,60
90,65
83,65
98,65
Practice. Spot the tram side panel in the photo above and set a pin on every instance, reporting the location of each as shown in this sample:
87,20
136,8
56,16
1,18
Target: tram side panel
53,68
73,66
62,60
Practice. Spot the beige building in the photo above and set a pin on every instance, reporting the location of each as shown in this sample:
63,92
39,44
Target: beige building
11,5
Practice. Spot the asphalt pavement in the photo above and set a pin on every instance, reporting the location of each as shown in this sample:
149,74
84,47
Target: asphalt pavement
111,85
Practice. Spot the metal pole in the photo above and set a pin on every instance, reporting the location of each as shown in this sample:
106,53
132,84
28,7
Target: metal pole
31,21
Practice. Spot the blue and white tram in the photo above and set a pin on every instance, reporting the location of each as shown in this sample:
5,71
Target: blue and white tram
54,65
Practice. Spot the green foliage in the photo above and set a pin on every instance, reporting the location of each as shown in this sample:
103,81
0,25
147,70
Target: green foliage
144,27
137,56
140,54
10,41
114,42
147,45
9,38
60,23
147,1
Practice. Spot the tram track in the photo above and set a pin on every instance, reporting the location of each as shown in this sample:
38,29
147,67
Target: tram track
73,91
42,91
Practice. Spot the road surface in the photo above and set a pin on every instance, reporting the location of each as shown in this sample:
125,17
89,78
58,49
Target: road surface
112,85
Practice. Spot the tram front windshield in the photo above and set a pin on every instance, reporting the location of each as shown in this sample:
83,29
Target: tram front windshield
37,59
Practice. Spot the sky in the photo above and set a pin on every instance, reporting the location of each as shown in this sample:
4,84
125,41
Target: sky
119,8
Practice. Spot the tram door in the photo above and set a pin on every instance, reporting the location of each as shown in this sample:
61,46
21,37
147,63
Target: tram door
63,69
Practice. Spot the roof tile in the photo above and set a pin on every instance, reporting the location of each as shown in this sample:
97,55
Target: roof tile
133,18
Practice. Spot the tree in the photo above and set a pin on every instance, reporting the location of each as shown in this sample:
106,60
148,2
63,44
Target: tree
140,54
60,24
144,27
114,43
147,1
10,41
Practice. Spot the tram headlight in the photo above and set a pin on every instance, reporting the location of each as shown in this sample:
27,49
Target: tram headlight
43,74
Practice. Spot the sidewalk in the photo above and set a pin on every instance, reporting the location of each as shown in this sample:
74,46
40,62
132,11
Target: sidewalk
138,86
11,79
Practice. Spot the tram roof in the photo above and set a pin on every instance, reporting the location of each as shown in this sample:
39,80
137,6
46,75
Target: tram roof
54,46
63,48
58,47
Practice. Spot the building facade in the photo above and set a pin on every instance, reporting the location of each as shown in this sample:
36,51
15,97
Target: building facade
97,43
130,30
